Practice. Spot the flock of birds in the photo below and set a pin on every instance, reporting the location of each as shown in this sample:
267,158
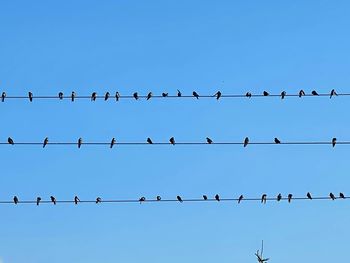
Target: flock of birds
150,95
241,198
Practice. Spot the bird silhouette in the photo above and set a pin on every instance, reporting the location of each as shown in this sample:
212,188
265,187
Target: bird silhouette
136,96
60,95
179,93
283,94
107,95
149,141
334,141
98,200
3,96
277,141
142,199
30,95
301,93
38,199
172,140
53,200
73,95
179,199
314,93
165,94
195,94
265,93
209,141
240,198
113,141
279,197
341,195
80,142
246,141
10,141
217,197
205,197
218,95
76,200
93,96
117,96
46,141
263,198
248,95
290,196
332,196
333,93
309,196
149,95
15,200
158,198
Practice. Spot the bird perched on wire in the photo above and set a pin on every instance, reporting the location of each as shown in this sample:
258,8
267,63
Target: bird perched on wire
93,96
172,140
73,95
179,199
113,141
333,93
217,197
136,96
277,141
290,196
76,200
80,142
98,200
283,94
158,198
279,197
205,197
301,93
60,95
15,200
38,199
46,141
53,200
265,93
334,141
149,141
341,195
3,96
117,96
240,198
195,94
218,95
179,93
248,95
165,94
30,96
309,196
314,93
10,141
246,141
209,141
332,196
107,96
142,199
263,199
149,95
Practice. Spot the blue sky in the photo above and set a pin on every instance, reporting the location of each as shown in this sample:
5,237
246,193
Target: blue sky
161,46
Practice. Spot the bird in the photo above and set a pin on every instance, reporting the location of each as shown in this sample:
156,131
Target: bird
263,198
283,94
217,197
246,141
53,200
98,200
158,198
309,196
248,95
218,95
334,141
73,95
277,141
76,200
209,141
30,95
10,141
290,196
142,199
15,200
107,96
46,141
80,141
331,196
60,95
279,197
93,96
172,140
265,93
149,95
136,96
301,93
314,93
113,141
165,94
117,96
38,199
3,96
179,199
179,93
205,197
333,93
195,94
341,195
240,198
149,141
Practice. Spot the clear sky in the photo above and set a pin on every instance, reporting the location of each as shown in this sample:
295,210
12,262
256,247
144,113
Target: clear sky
161,46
